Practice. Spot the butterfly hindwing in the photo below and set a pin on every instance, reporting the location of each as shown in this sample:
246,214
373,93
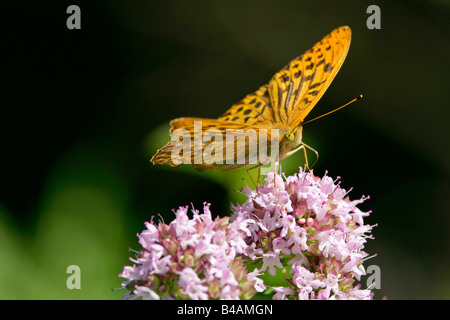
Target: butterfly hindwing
210,143
254,109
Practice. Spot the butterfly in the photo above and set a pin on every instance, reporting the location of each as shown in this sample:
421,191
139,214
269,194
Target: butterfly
273,114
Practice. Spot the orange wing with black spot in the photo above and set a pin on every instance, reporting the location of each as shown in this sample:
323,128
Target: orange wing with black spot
254,109
296,89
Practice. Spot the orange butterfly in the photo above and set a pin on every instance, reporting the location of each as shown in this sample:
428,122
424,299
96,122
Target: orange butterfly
271,117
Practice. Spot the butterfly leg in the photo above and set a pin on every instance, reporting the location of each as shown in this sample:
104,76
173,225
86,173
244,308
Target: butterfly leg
304,146
259,176
274,170
275,188
290,153
313,150
317,158
274,181
259,171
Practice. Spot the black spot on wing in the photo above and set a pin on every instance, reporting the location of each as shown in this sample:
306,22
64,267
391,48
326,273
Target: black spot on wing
315,85
320,62
310,66
285,78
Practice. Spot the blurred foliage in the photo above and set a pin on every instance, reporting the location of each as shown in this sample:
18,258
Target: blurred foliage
86,109
81,222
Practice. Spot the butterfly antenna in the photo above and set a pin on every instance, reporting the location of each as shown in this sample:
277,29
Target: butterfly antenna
350,102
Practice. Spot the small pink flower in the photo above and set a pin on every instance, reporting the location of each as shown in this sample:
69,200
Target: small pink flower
191,258
320,233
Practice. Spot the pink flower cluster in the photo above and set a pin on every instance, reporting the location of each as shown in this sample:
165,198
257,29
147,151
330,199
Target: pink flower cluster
306,228
194,258
317,238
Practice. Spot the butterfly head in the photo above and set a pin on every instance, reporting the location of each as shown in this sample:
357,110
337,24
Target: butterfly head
294,136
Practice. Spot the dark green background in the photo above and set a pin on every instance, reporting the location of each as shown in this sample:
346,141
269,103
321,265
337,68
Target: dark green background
84,110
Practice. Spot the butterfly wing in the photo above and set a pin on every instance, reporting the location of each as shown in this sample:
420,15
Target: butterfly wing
254,109
296,89
210,144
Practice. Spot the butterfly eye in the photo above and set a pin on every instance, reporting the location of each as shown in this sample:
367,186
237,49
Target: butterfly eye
290,135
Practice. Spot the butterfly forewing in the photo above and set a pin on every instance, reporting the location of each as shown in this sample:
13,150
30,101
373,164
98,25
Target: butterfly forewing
295,90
